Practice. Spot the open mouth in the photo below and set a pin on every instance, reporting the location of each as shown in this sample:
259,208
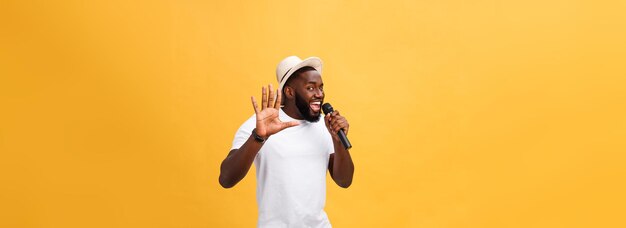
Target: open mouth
315,106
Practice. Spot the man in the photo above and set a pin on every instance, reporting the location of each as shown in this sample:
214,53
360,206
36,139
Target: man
291,149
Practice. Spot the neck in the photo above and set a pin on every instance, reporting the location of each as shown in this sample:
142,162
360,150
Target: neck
292,111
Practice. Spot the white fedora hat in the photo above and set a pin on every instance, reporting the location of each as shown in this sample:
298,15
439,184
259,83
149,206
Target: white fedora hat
291,64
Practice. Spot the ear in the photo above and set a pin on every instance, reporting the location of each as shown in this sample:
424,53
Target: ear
289,92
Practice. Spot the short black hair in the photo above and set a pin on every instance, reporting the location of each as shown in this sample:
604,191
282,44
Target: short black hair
296,74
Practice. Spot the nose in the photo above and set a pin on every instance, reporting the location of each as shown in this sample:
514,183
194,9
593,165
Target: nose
318,93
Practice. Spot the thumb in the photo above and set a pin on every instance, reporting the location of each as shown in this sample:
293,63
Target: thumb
289,124
327,121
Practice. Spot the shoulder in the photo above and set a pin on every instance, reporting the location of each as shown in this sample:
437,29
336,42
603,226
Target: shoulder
325,136
244,132
248,125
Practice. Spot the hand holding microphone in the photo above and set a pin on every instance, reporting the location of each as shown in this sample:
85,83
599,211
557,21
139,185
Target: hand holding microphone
337,125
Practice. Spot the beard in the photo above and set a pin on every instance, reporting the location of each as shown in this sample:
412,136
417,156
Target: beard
305,110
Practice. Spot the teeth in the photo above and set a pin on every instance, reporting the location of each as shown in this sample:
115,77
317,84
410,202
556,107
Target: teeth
315,102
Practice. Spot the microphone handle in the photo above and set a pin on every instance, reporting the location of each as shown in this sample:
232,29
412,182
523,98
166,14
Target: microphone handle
344,139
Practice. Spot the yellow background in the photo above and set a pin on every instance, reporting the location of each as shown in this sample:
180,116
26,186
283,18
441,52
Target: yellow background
462,113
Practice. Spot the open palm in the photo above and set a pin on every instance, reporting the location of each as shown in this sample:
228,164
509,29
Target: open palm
267,122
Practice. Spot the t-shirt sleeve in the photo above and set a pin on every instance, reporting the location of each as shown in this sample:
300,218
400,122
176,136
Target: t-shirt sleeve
244,132
329,141
331,146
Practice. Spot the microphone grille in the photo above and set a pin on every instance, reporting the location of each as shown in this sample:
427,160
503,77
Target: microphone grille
327,108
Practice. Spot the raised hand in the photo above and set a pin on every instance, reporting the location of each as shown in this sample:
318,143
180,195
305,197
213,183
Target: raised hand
267,122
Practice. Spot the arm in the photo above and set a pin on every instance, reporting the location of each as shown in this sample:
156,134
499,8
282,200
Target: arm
340,164
238,161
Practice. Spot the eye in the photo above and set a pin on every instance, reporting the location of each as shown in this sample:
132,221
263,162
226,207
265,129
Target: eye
309,88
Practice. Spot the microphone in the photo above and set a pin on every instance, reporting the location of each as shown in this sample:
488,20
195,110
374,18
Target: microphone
328,109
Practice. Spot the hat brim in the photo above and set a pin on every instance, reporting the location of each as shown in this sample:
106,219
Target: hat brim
314,62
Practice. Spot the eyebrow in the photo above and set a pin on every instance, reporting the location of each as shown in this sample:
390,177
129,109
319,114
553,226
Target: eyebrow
313,82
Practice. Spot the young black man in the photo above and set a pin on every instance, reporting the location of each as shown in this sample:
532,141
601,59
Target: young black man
291,148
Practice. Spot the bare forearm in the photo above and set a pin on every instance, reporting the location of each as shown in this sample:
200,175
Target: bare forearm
343,167
238,162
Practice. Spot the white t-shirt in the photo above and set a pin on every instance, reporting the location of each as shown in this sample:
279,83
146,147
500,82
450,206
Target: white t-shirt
291,173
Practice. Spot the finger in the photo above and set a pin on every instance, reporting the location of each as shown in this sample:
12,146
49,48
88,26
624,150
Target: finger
256,110
336,119
270,104
338,122
327,120
264,98
342,124
335,125
278,99
338,127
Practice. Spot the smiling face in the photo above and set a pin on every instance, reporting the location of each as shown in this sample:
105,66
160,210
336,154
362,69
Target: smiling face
306,89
